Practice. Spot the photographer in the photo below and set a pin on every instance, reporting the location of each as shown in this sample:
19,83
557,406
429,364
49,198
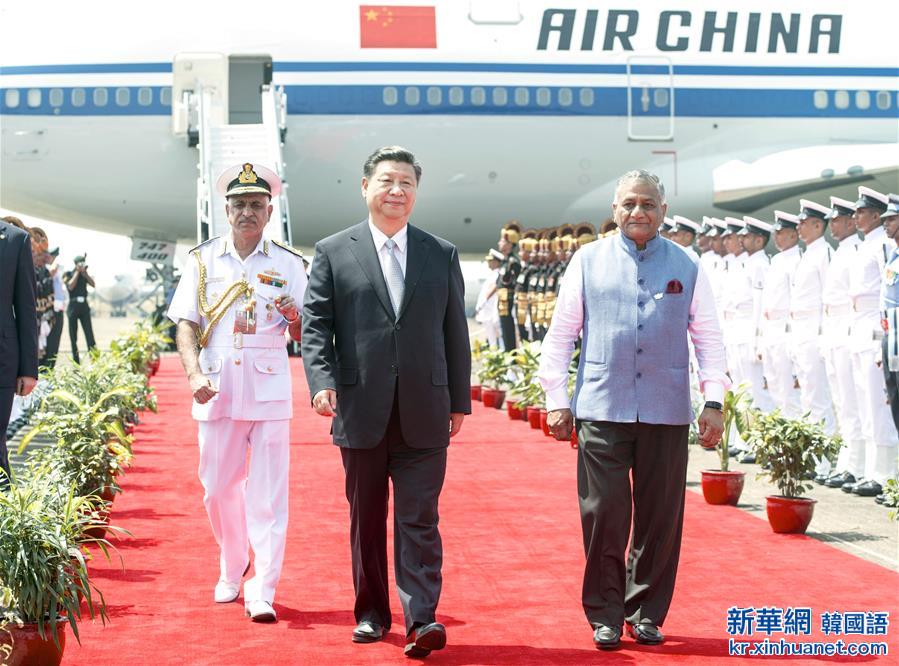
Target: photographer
77,281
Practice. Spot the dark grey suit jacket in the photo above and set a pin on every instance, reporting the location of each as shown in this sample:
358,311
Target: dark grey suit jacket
353,343
18,316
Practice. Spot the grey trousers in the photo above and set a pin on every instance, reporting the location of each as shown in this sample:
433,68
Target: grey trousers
640,590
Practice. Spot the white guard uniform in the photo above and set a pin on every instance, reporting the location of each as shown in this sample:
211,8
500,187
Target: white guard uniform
864,342
837,358
251,411
774,342
805,327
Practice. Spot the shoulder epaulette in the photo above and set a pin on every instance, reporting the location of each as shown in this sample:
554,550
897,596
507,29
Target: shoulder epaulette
205,242
292,250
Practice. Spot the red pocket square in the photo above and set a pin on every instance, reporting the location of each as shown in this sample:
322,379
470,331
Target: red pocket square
674,287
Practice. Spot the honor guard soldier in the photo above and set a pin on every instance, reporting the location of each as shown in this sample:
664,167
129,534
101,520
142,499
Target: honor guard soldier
535,295
667,228
865,333
713,260
774,344
849,466
684,234
807,311
527,248
237,296
585,233
889,303
505,282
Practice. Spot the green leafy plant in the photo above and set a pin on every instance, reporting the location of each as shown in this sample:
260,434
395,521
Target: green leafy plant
141,345
789,449
891,497
526,388
495,369
736,408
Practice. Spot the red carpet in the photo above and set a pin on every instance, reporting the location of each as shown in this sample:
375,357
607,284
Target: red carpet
513,561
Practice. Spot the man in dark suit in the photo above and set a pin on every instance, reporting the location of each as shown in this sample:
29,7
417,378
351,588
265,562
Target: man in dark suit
18,328
386,352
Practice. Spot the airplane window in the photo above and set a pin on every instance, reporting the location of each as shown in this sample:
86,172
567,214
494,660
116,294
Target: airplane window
478,96
412,96
165,96
862,99
820,99
585,96
78,97
456,96
660,97
56,97
543,97
565,97
522,96
883,100
500,97
12,98
34,98
145,96
101,96
435,96
391,97
122,96
841,99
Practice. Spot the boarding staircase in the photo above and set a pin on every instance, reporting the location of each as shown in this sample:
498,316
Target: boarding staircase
201,114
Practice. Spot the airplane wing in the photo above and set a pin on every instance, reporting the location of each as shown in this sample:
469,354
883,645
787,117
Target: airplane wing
745,187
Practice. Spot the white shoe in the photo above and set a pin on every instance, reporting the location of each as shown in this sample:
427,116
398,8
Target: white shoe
260,611
226,592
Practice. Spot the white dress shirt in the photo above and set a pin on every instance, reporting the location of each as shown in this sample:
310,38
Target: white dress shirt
400,238
776,294
808,280
568,321
836,280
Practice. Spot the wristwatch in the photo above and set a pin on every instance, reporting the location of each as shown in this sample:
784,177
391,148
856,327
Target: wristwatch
711,404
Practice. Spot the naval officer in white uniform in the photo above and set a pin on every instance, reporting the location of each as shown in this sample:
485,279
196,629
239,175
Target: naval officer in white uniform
237,296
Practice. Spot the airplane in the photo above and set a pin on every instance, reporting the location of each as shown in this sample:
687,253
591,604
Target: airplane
527,110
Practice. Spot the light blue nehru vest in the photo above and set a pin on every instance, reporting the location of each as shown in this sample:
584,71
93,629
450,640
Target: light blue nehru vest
634,357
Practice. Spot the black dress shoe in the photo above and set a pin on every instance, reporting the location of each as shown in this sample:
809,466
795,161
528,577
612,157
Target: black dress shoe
881,498
368,632
837,480
646,633
868,489
821,479
425,638
849,486
748,458
606,638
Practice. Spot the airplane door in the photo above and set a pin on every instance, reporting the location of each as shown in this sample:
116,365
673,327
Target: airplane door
650,98
246,76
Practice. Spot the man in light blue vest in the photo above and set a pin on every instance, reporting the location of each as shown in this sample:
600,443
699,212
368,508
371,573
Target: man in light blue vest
634,297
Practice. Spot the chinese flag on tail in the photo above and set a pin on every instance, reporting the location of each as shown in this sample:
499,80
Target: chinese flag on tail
393,27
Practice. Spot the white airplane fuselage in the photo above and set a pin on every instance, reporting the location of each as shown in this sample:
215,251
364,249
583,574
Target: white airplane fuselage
528,120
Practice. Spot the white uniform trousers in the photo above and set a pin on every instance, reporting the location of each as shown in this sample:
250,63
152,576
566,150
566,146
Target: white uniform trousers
838,363
876,421
247,504
744,366
777,364
814,392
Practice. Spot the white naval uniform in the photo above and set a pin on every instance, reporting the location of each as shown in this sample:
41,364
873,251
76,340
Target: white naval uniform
247,505
805,327
837,357
774,332
742,295
865,333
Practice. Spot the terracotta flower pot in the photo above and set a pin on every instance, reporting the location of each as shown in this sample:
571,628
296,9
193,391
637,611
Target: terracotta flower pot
523,413
512,410
498,398
29,648
722,487
790,515
476,392
154,365
534,417
574,438
544,426
487,396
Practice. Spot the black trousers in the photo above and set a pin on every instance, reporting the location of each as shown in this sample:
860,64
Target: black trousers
80,312
507,326
53,341
615,592
6,397
417,476
892,382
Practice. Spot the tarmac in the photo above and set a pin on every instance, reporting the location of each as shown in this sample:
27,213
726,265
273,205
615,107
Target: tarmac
853,524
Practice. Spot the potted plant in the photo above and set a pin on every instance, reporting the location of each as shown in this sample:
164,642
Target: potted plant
494,377
43,573
788,450
478,347
529,394
723,485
